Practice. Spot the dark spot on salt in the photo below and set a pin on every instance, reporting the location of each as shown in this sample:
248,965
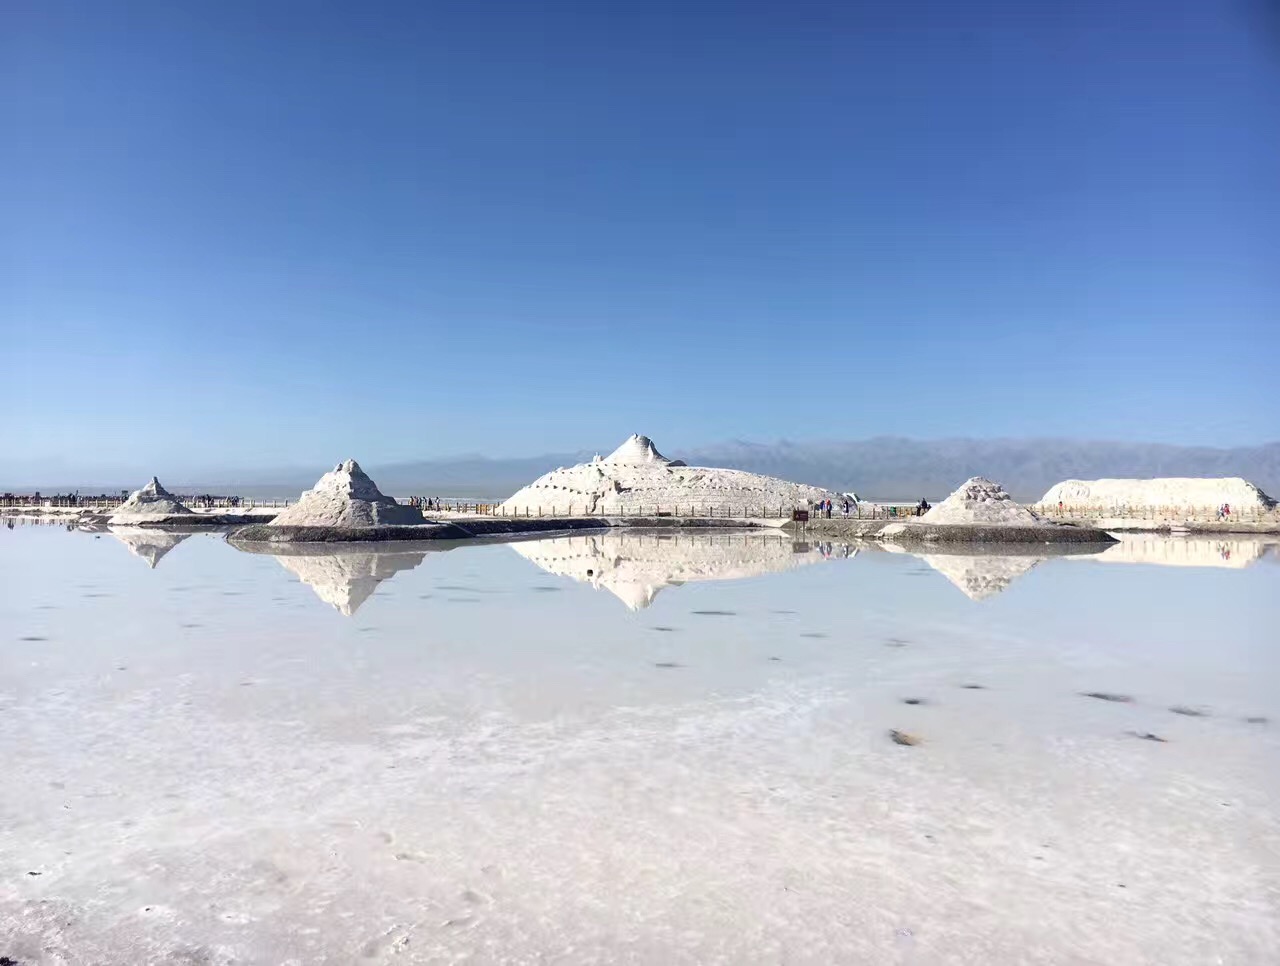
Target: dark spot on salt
1256,719
35,873
715,613
545,590
915,701
896,642
783,612
664,629
974,687
232,593
1148,736
463,600
1189,712
95,595
903,738
188,626
1107,696
775,659
817,635
33,638
667,664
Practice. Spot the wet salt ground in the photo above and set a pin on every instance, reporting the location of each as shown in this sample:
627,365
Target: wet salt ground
545,776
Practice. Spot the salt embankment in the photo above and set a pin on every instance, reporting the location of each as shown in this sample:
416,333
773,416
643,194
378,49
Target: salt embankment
636,566
636,478
1159,495
151,503
981,511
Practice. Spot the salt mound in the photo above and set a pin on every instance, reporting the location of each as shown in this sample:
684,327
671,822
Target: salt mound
151,502
980,501
639,449
1163,492
637,478
346,497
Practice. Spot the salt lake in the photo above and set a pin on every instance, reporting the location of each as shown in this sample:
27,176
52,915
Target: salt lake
637,748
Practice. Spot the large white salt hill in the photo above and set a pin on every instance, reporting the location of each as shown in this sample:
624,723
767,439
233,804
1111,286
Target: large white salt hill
152,502
637,478
346,497
982,502
1164,492
635,567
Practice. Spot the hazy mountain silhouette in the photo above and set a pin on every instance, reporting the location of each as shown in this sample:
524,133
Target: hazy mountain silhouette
882,468
887,467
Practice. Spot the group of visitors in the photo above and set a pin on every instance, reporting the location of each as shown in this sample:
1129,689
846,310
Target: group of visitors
426,503
1224,512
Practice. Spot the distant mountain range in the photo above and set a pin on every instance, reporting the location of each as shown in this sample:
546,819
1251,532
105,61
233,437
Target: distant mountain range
883,468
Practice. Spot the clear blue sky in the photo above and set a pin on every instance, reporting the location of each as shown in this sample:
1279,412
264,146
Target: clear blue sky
279,233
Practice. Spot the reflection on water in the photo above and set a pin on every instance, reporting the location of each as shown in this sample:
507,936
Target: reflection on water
1190,551
203,765
148,543
635,566
342,575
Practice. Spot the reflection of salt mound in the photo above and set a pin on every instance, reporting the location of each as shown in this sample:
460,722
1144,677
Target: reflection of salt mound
634,567
339,576
637,478
346,497
147,542
983,576
1191,551
980,501
1171,492
153,501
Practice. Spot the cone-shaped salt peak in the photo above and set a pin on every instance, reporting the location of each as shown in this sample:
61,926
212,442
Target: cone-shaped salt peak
637,449
346,497
151,502
983,502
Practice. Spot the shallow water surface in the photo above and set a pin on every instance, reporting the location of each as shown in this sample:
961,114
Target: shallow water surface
712,748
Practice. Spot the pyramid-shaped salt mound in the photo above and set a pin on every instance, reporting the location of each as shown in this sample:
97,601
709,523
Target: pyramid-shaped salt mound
346,497
981,502
637,449
151,502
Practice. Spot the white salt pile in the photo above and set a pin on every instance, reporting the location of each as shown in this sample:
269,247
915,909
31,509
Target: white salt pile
152,502
346,497
1166,492
981,502
636,478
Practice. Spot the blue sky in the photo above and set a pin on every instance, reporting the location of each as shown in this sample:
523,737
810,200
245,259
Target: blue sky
247,233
